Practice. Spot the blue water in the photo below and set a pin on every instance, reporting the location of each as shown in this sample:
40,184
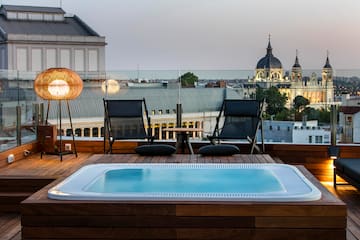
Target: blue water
163,180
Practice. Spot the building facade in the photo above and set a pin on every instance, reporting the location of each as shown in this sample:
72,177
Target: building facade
33,39
318,90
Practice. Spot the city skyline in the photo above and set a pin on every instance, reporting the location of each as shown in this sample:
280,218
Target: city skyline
219,34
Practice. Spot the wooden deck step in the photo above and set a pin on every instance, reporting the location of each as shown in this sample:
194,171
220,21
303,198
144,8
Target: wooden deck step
23,183
10,201
10,226
15,189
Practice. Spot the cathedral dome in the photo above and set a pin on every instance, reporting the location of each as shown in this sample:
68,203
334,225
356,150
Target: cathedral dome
269,61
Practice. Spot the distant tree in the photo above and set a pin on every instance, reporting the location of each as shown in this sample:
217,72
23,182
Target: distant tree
188,79
300,103
284,115
322,115
275,101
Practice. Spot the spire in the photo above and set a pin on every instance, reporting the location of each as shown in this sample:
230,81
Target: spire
269,48
296,64
327,64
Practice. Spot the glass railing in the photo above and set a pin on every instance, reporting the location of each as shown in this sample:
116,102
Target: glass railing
21,110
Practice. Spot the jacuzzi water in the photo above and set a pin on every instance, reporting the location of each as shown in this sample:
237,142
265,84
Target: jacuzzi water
187,182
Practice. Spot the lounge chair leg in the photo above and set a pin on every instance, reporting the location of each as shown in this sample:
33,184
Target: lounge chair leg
189,144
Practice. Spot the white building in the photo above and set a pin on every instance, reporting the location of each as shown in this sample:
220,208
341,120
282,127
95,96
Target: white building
349,119
310,133
33,39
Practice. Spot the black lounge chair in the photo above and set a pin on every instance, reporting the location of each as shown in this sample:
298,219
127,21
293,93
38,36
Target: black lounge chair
124,120
242,120
349,170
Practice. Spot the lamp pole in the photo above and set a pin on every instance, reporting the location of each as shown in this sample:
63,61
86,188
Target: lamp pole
178,105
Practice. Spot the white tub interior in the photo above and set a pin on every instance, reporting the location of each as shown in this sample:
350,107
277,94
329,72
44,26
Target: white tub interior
89,183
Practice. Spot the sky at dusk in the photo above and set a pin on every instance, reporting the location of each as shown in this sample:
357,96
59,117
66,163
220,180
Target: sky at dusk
219,34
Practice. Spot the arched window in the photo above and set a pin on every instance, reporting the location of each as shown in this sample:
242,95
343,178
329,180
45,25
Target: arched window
86,132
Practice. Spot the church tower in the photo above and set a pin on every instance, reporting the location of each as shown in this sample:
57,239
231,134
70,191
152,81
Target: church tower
327,81
327,72
296,71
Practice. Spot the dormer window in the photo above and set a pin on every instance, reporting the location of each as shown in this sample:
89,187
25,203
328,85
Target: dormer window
48,17
28,13
58,17
22,16
34,16
11,15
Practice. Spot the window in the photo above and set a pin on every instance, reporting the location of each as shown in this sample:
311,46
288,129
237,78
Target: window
22,16
65,58
310,139
93,60
86,132
163,133
48,17
21,59
11,15
79,60
78,132
36,16
58,17
36,63
278,128
50,58
318,139
68,132
95,132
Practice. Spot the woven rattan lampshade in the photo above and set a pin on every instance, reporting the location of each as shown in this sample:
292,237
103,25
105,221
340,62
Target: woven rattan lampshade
58,84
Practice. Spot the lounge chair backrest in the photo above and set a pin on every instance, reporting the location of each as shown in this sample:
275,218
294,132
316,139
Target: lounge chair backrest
125,119
250,108
241,119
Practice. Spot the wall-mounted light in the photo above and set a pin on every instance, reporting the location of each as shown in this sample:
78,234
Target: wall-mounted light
333,152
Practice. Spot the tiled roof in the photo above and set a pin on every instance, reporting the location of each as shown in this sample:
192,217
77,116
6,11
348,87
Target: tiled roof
90,103
71,26
349,109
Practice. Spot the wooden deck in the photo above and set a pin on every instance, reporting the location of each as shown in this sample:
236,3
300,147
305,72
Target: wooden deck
51,168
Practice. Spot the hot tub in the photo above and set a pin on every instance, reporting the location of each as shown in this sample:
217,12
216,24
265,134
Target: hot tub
187,182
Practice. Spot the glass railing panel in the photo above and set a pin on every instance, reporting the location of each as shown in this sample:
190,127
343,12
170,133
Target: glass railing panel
200,102
16,108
